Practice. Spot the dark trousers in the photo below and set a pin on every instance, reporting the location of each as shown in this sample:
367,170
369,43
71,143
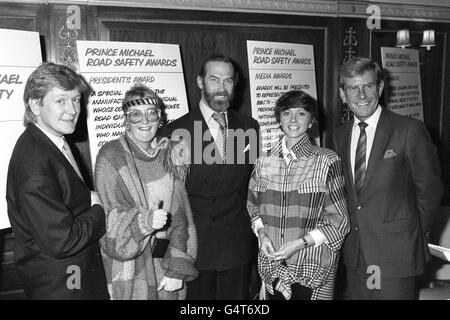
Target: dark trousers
389,288
231,284
298,292
360,287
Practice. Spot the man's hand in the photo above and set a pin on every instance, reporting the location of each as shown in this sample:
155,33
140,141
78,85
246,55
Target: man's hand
170,284
95,198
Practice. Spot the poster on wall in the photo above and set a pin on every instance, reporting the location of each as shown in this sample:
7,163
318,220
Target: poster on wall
275,68
402,87
20,54
111,68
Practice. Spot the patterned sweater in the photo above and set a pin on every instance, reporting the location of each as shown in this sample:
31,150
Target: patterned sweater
293,199
131,271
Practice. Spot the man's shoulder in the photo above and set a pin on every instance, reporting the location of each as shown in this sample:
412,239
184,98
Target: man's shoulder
185,122
248,121
28,145
400,122
340,130
31,156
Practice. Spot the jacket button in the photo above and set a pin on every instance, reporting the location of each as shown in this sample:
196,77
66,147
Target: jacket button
356,228
359,207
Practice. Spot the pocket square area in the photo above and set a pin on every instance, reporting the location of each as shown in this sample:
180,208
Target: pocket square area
389,154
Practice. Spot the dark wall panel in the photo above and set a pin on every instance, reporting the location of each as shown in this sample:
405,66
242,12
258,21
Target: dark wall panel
434,81
200,38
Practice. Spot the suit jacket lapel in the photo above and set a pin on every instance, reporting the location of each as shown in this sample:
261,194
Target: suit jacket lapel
198,116
382,135
233,121
346,142
198,143
36,132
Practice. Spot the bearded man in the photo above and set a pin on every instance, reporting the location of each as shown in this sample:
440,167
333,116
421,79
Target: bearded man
224,145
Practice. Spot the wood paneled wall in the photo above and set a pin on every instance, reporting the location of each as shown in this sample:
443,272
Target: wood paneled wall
200,33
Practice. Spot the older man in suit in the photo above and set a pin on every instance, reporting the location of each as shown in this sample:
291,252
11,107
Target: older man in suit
224,144
393,187
56,219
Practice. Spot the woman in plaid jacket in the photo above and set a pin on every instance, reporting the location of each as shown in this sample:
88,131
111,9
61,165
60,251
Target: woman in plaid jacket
298,208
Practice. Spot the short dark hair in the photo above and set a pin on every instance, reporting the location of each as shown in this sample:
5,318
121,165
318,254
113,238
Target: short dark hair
43,79
219,58
357,66
141,91
295,99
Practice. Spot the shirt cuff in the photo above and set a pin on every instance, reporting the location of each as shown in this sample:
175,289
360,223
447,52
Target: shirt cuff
143,222
256,225
318,237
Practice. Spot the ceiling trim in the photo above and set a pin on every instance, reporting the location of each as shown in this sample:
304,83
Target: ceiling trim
296,7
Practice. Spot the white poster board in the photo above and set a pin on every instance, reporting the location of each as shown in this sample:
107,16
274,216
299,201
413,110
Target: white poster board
111,68
403,90
440,252
274,68
20,54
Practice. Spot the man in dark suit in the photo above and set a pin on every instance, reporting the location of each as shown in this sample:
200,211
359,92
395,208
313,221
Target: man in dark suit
224,144
393,188
56,219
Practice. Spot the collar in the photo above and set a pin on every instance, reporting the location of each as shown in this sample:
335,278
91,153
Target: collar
207,112
286,151
372,121
58,141
139,152
303,148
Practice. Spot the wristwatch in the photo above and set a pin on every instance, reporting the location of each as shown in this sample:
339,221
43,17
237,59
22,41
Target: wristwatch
305,243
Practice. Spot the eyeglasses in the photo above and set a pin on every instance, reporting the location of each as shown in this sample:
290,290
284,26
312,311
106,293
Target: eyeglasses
369,89
136,116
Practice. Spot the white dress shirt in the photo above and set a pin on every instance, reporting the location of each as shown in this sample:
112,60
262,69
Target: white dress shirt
58,141
372,122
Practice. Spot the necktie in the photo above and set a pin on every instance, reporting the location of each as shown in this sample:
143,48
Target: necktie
221,138
360,158
68,153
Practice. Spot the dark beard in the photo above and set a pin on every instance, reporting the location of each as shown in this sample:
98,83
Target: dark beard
220,105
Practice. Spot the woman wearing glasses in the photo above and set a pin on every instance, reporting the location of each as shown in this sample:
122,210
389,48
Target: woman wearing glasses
298,208
150,245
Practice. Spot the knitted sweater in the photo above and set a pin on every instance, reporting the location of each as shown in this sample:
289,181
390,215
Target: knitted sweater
122,180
